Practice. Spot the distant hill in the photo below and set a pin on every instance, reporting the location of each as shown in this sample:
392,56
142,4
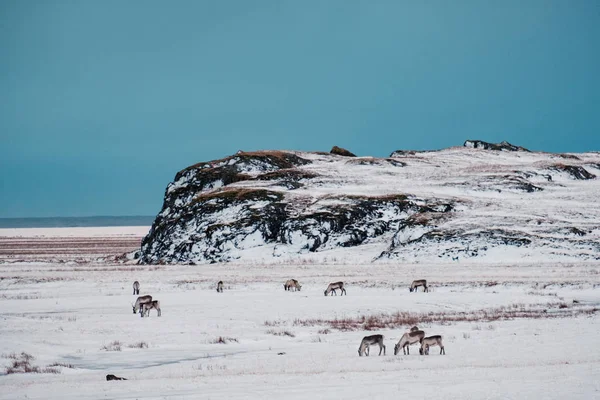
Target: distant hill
479,202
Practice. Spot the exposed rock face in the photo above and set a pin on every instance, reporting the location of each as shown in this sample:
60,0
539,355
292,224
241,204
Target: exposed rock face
400,153
217,225
341,152
111,377
503,146
575,171
449,205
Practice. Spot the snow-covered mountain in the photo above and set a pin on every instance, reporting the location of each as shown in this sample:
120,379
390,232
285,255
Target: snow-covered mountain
479,202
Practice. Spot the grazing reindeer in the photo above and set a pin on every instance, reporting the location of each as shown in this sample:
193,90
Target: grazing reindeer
421,282
368,341
292,283
407,339
141,300
220,287
427,342
146,307
136,288
333,286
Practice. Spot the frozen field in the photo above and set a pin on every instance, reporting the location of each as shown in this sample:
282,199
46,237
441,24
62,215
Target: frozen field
519,331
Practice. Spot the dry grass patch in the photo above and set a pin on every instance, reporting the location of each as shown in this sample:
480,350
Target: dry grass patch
138,345
112,346
280,333
21,364
239,194
224,340
400,320
63,365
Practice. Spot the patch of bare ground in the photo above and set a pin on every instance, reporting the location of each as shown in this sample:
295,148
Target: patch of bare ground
99,268
112,346
403,319
138,345
223,340
280,333
17,280
65,249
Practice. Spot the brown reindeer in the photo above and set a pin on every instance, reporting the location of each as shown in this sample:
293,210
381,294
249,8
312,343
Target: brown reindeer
292,283
140,300
430,341
146,307
333,286
220,287
421,282
407,339
368,341
136,288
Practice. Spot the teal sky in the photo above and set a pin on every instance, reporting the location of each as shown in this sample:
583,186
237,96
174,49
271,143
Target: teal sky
102,102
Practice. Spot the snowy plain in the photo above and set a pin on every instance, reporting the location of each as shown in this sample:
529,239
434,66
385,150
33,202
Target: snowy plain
524,330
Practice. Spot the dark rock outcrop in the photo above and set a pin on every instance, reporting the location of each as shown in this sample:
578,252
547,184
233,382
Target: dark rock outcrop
377,161
219,173
341,152
575,171
111,377
503,146
217,225
459,243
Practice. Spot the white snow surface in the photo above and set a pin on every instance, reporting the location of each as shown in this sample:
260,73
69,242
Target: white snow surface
277,343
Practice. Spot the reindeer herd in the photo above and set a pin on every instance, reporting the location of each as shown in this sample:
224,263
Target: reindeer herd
144,304
415,335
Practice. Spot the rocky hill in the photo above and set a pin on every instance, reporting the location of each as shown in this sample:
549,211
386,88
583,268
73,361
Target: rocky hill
480,202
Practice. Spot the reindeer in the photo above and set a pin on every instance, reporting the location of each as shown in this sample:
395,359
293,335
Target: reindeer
146,307
333,286
292,283
136,288
417,283
220,287
427,342
368,341
407,339
140,300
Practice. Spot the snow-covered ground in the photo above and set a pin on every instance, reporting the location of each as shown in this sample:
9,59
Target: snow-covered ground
300,345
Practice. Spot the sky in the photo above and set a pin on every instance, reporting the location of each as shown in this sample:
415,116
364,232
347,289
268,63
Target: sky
102,102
